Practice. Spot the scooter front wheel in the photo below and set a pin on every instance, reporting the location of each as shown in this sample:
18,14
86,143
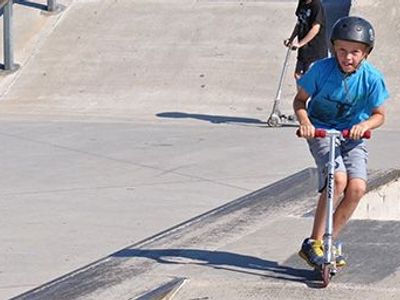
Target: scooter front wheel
326,275
274,121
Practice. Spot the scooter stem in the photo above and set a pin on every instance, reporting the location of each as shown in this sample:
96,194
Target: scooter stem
330,192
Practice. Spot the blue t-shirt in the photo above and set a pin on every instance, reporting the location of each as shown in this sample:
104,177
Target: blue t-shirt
338,101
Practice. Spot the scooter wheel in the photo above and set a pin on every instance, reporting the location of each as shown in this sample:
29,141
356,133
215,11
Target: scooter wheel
274,121
326,275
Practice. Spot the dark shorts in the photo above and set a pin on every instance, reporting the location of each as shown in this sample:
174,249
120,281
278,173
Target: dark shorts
351,158
302,66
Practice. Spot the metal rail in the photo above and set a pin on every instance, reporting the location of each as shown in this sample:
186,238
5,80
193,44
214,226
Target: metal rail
51,5
8,45
8,37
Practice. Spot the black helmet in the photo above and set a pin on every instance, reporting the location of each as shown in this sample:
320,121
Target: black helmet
354,29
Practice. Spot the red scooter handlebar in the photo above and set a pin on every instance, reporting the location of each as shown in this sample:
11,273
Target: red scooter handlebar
321,133
366,135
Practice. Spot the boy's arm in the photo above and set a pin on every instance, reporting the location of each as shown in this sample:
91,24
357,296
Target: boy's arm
289,41
377,119
306,129
309,36
317,20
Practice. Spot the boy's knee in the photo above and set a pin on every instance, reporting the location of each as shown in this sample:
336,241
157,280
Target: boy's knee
340,182
356,189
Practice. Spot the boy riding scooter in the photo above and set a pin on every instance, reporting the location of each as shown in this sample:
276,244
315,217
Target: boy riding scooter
341,92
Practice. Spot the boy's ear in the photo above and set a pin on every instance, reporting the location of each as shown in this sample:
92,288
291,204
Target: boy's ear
367,51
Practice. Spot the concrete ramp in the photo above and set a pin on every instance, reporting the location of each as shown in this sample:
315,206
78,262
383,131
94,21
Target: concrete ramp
135,59
245,249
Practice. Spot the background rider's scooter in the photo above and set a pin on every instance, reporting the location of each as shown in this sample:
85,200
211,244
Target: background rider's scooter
277,118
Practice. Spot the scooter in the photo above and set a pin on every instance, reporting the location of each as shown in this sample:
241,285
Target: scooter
328,269
277,118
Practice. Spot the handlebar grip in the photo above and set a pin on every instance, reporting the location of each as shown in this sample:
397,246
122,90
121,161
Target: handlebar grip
366,135
320,133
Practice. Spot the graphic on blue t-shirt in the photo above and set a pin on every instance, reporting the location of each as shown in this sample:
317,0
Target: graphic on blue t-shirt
341,111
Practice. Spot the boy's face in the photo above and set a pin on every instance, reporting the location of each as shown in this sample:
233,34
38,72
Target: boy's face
349,54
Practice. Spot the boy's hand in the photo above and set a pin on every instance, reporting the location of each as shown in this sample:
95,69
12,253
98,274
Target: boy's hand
288,43
295,45
357,131
306,130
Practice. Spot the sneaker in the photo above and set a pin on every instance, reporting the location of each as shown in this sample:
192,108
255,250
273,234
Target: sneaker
311,251
340,259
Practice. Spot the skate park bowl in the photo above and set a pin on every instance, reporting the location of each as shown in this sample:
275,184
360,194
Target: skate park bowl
143,123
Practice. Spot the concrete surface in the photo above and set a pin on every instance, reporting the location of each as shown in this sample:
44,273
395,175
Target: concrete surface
129,117
238,244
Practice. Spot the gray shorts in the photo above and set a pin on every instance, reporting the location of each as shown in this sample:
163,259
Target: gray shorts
351,157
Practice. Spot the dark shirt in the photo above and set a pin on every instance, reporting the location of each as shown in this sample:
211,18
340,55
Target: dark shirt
307,15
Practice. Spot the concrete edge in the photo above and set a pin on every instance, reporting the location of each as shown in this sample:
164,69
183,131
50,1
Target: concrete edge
379,178
165,291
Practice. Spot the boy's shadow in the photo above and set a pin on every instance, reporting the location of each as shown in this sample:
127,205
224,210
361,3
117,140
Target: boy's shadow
227,261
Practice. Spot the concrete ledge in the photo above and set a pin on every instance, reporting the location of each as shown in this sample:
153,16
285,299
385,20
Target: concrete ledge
382,201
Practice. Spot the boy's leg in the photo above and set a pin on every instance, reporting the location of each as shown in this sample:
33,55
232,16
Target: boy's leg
320,213
354,192
312,248
355,157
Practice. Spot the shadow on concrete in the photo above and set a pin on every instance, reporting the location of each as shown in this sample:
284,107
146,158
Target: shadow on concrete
229,261
31,4
215,119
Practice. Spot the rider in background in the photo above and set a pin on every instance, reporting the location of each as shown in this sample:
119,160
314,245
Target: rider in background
341,92
310,32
